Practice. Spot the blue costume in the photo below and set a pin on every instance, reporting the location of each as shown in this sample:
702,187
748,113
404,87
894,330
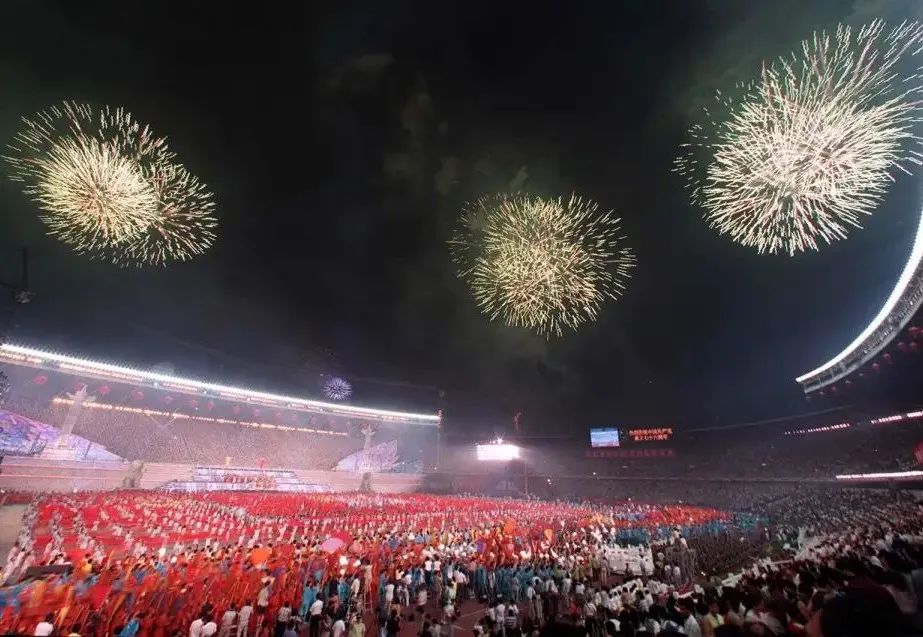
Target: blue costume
131,628
308,595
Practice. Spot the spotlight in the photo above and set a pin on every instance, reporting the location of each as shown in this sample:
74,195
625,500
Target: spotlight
497,451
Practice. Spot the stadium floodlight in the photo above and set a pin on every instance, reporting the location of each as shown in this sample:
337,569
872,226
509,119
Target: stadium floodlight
497,451
20,355
907,286
881,476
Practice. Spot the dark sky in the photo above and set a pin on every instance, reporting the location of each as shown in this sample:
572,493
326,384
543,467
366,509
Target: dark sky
341,141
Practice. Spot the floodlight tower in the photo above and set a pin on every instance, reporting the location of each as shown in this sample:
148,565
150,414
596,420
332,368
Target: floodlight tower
500,451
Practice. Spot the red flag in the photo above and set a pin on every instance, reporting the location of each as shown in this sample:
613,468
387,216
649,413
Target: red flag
343,535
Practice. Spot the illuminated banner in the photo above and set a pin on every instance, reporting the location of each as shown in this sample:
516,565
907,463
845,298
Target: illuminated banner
647,435
630,453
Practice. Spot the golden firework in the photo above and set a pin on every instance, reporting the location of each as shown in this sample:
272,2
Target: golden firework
802,154
91,195
107,186
544,264
184,226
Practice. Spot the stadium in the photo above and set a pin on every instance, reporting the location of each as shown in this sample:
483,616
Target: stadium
512,321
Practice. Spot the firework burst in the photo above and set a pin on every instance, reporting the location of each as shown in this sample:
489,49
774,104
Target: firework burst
93,196
801,155
108,187
337,388
184,226
543,264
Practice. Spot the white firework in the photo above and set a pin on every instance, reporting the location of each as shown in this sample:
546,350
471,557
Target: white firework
812,146
337,388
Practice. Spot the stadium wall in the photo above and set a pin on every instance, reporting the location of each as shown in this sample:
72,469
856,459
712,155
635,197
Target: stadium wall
35,474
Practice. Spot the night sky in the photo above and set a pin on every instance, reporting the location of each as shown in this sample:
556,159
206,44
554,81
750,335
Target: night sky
341,142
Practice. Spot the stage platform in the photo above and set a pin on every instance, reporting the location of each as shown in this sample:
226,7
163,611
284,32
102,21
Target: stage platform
244,479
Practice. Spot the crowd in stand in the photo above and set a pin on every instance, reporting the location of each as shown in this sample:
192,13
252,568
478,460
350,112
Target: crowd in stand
751,456
706,455
856,449
149,563
162,438
195,442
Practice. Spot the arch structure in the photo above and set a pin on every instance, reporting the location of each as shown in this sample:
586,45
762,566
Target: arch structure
899,308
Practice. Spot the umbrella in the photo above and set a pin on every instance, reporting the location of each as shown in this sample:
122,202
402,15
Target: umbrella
332,544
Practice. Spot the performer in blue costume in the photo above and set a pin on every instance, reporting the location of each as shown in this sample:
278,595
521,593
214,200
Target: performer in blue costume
480,580
308,595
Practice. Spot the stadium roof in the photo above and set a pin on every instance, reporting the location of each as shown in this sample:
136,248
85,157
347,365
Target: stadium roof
900,306
32,357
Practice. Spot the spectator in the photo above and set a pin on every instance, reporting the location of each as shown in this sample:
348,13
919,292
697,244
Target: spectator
46,626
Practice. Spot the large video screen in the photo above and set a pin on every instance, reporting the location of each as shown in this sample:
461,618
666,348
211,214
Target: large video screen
607,437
